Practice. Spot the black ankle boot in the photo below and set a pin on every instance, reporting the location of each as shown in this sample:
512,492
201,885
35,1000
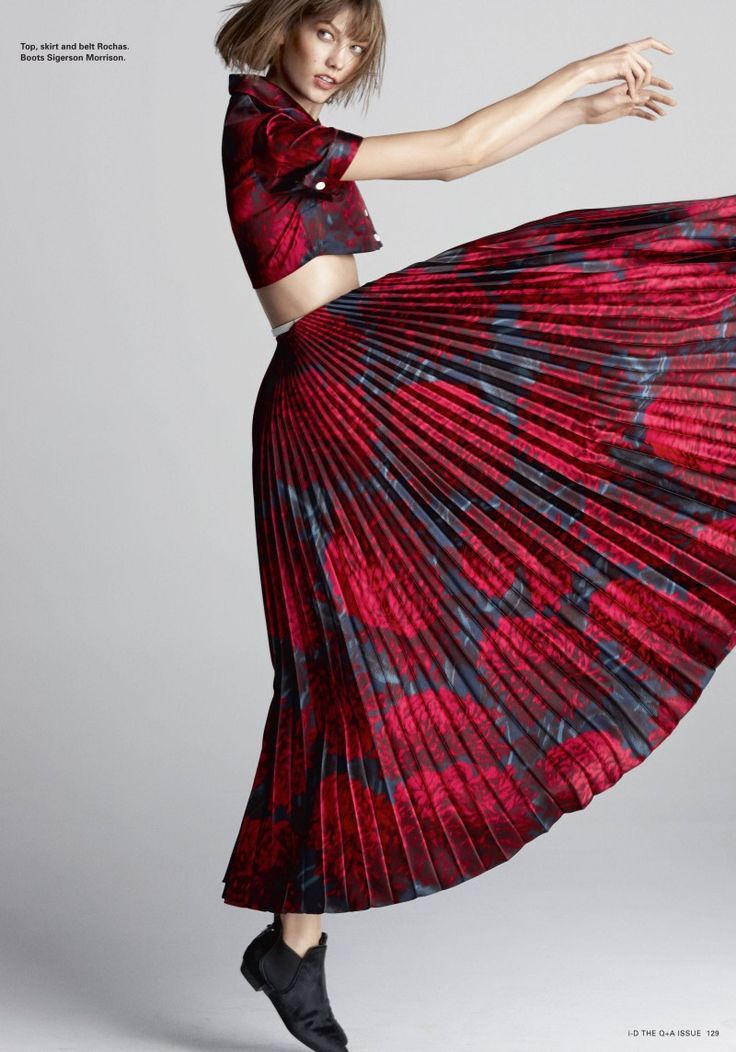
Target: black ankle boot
296,986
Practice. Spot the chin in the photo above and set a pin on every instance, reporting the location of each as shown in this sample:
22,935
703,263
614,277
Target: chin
309,91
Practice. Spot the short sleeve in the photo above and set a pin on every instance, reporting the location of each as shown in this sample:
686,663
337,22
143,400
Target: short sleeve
290,155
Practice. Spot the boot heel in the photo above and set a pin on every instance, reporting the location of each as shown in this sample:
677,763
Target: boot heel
250,969
253,977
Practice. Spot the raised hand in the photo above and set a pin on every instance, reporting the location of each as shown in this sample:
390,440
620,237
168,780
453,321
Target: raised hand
624,63
616,102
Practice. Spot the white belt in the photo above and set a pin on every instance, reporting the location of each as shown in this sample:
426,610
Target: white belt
283,328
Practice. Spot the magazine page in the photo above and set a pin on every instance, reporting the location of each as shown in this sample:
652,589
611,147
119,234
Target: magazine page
369,401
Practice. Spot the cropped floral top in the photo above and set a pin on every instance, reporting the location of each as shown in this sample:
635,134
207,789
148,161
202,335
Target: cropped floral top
282,168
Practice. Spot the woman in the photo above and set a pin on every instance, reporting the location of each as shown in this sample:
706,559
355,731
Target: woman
494,490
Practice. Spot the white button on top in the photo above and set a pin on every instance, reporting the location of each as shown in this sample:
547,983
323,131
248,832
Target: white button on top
320,185
365,211
377,237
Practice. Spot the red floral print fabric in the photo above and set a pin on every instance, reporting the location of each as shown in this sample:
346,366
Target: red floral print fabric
495,496
285,197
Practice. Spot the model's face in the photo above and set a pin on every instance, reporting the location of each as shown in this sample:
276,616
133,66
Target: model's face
319,48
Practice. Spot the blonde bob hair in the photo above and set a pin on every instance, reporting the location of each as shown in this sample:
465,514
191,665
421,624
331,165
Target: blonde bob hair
248,40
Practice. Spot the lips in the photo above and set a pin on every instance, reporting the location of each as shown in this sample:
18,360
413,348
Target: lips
325,81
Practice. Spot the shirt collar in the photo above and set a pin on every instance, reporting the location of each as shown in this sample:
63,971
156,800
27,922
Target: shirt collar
268,93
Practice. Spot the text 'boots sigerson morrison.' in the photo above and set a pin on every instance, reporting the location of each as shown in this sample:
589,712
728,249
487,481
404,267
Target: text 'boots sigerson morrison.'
296,986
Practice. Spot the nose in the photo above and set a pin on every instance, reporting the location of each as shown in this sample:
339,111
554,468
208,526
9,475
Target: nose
336,60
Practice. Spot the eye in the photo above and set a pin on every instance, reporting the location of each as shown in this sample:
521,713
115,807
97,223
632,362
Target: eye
360,48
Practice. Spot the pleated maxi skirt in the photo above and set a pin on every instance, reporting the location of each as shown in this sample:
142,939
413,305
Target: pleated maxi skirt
495,498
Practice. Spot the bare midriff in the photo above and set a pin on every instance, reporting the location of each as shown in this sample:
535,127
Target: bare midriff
319,281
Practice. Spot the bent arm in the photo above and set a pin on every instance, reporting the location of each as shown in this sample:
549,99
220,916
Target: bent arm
474,142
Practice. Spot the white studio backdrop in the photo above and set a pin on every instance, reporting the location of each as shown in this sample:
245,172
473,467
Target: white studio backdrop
135,666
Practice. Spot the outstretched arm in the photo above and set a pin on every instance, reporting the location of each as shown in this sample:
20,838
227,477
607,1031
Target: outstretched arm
468,142
568,114
486,136
599,108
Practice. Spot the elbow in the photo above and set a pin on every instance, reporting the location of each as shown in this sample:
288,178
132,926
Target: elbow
458,159
464,152
460,155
